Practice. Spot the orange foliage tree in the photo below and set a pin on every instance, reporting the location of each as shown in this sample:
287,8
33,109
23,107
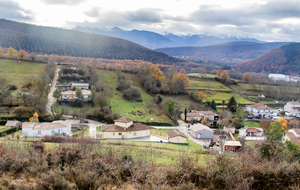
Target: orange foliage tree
201,96
180,82
0,51
22,54
90,63
284,123
246,77
11,52
156,73
34,118
202,70
224,74
182,70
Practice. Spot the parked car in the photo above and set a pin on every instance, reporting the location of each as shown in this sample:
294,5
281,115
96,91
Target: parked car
250,117
257,117
280,110
267,117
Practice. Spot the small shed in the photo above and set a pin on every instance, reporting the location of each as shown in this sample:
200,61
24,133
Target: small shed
232,146
13,123
229,128
200,131
176,137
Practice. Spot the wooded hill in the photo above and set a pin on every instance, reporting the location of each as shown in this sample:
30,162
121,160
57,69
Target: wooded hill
228,53
285,60
49,40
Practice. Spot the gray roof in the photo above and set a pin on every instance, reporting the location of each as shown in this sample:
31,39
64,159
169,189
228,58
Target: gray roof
11,123
200,127
48,125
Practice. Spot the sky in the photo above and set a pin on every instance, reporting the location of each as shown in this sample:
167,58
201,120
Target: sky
266,20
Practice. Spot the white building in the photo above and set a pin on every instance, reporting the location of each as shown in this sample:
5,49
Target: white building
292,108
32,129
286,78
252,133
293,135
261,110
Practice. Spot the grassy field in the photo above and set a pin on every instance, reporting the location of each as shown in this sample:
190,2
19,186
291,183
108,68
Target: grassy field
207,85
161,132
251,124
125,107
201,75
219,96
2,127
18,73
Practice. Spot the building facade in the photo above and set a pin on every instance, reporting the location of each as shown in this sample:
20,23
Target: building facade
200,131
292,108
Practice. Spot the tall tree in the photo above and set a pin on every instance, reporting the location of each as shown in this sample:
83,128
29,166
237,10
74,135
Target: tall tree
239,119
79,95
224,74
185,114
284,123
0,51
11,52
22,54
179,83
182,70
90,63
232,102
275,132
156,73
57,94
170,107
202,70
213,105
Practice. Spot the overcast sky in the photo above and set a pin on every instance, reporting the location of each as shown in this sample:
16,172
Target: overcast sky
268,20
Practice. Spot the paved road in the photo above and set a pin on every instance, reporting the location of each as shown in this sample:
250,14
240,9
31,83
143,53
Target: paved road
51,100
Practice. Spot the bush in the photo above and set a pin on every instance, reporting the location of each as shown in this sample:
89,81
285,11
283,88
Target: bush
12,87
133,93
8,131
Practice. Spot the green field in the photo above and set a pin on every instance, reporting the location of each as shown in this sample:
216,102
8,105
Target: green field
125,107
161,132
201,75
19,73
219,96
2,127
208,85
251,124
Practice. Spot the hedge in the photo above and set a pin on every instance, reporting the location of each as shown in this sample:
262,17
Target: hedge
8,131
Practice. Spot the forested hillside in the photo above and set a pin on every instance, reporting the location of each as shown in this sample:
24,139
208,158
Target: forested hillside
231,52
285,60
49,40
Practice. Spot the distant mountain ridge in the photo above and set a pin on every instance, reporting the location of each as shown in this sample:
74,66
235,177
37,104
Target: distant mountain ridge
50,40
154,40
228,53
284,60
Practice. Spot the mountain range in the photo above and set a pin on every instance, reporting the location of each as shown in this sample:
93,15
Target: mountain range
154,40
50,40
225,53
284,60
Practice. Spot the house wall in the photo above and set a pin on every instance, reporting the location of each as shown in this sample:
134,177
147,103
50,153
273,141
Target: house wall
115,135
288,108
82,87
208,117
204,134
30,132
178,139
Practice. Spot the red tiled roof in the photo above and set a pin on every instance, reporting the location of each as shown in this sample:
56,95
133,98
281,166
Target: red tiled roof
253,130
175,133
293,138
133,127
123,120
260,106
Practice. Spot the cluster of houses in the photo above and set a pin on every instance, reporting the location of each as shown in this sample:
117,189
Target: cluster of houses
281,77
195,115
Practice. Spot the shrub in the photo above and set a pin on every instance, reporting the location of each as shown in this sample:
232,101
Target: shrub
133,93
12,87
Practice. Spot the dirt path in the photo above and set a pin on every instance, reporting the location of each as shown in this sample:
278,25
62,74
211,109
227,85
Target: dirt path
52,100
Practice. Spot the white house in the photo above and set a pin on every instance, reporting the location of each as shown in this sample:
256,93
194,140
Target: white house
200,131
252,133
261,110
281,77
292,108
80,85
32,129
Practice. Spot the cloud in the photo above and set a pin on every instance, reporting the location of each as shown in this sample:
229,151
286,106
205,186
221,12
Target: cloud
63,2
144,15
94,12
12,10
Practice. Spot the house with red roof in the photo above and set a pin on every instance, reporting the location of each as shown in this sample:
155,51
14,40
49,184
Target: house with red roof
252,133
176,137
124,128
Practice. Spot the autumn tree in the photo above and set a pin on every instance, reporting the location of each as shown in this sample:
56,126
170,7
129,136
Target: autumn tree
193,70
205,122
11,52
202,70
219,71
246,77
213,72
224,74
284,123
90,63
182,70
201,96
179,83
22,54
156,73
275,131
0,51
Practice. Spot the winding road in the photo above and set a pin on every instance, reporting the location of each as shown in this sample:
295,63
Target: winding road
52,100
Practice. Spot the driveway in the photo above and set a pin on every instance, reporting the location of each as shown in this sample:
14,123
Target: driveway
51,100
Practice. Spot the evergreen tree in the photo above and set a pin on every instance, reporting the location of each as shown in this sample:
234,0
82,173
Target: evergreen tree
185,113
232,102
213,105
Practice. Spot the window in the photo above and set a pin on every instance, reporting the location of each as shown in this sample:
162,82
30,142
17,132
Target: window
39,133
58,130
113,134
52,132
120,133
134,133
